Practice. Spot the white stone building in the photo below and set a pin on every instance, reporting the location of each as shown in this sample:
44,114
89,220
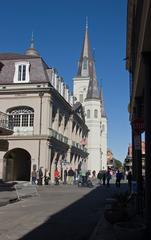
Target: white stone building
86,92
48,127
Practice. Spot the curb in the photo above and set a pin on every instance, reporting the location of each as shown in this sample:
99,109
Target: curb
94,233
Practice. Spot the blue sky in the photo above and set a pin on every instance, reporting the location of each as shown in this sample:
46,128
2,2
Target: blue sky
58,27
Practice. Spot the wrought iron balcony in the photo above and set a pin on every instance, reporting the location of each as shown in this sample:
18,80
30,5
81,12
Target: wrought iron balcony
6,127
59,136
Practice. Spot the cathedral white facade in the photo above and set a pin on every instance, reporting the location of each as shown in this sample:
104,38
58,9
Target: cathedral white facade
85,91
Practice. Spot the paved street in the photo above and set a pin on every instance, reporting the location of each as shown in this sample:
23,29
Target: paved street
59,212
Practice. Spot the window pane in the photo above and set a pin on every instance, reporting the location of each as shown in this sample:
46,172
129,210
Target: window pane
10,120
31,122
25,120
24,73
16,120
19,72
95,113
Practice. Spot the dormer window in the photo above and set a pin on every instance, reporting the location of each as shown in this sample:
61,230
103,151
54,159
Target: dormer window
21,72
1,65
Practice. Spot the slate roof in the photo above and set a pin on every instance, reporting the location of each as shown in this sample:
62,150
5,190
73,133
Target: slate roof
103,113
11,56
38,67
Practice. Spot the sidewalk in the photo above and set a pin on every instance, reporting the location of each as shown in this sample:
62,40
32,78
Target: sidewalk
7,193
103,230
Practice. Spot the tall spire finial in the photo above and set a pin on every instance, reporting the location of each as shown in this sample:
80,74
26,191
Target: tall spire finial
86,22
31,50
32,40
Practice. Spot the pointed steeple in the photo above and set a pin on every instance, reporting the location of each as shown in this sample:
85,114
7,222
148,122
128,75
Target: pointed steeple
86,67
31,50
85,63
103,113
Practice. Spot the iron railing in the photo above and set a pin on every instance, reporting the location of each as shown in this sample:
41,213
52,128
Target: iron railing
4,121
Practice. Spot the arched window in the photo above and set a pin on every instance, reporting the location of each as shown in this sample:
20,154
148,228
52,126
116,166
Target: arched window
95,113
88,113
22,118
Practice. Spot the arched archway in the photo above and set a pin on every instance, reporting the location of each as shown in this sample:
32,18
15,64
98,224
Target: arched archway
17,165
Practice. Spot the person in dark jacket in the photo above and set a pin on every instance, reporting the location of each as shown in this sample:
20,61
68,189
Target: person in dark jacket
118,179
65,176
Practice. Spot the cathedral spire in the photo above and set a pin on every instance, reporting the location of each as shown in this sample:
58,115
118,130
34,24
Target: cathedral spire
86,67
86,26
85,61
31,50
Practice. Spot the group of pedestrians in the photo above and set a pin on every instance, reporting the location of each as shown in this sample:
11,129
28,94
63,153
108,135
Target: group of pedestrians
71,176
104,177
68,175
79,176
38,176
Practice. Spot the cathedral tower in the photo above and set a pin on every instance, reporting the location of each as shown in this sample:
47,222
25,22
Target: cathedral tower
86,91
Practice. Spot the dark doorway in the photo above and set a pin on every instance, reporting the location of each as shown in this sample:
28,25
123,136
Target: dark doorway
17,165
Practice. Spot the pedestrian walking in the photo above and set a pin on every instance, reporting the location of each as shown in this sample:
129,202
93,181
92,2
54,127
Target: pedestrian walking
118,179
70,176
46,177
34,177
93,174
65,176
56,176
99,177
40,176
108,177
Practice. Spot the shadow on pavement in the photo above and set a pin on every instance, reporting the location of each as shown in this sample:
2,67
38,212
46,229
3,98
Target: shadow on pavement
77,221
7,186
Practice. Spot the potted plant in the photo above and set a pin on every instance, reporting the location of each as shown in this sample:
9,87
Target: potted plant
119,210
129,230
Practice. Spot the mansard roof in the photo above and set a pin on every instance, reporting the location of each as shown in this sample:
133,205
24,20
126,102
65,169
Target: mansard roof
38,67
11,56
103,113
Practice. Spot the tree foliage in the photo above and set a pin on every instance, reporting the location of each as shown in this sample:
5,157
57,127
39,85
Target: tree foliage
117,164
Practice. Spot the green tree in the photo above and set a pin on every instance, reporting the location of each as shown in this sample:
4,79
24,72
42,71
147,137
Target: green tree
117,163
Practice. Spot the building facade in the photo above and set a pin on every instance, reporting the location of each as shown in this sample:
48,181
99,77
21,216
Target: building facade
138,63
128,162
87,93
48,127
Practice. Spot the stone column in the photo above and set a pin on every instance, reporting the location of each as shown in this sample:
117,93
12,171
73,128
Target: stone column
68,155
53,166
147,118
